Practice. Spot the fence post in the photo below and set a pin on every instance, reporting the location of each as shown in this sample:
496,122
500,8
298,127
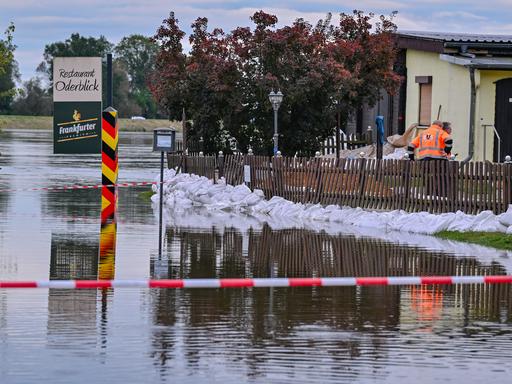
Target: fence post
168,160
362,181
220,164
278,175
319,178
508,180
247,168
338,134
369,139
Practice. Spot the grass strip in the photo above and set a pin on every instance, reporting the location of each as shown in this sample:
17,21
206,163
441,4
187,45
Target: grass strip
497,240
46,122
146,195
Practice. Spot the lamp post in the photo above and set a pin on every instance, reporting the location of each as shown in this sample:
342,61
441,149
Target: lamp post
275,100
164,140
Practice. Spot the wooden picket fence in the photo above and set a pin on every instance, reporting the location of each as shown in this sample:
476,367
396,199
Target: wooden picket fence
351,141
412,186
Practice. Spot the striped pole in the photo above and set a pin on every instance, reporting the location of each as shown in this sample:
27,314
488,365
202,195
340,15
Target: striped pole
109,172
264,282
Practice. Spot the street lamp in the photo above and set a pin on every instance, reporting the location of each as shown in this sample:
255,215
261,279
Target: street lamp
164,140
275,100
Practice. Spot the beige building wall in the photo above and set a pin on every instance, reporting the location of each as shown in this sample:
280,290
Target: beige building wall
450,89
486,103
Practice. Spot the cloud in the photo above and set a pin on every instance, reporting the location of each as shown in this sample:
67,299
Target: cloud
39,22
30,60
406,21
61,20
455,15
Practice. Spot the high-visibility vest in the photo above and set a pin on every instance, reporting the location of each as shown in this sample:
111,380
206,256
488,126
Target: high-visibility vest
431,143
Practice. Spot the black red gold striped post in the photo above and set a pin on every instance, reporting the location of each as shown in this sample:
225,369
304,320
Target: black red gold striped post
109,172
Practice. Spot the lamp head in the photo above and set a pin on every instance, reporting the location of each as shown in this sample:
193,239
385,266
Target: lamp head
276,98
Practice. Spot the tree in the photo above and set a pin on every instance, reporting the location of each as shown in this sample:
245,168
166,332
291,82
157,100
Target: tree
76,45
225,80
123,101
8,70
7,49
33,99
168,82
138,54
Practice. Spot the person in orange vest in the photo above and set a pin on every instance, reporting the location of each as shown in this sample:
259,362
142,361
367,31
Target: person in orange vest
434,143
447,126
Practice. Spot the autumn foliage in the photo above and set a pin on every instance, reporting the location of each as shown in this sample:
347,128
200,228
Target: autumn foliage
224,80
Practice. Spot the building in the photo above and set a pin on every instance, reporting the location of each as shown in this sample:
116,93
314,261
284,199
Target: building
462,78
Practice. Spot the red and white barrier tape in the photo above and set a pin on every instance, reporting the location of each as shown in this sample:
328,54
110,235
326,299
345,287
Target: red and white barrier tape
71,187
264,282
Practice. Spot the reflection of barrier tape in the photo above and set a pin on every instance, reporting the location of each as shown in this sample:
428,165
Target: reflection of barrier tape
71,187
262,283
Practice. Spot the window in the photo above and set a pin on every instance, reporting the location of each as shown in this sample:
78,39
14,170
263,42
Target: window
425,107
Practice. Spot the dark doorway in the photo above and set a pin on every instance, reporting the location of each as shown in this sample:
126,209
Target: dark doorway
503,118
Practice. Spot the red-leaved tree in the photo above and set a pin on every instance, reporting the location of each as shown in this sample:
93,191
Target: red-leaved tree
225,79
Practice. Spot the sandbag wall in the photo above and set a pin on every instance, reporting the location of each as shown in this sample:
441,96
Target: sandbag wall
413,186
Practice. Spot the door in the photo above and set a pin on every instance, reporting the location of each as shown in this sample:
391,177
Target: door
503,118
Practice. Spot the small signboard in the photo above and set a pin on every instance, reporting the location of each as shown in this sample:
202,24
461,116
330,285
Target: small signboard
77,105
247,173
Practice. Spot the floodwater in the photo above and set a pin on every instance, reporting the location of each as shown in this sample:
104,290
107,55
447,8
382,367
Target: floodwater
311,335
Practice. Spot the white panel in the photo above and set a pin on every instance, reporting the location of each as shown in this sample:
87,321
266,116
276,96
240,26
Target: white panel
77,79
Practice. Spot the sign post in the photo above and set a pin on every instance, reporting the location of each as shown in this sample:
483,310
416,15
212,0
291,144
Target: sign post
164,140
77,96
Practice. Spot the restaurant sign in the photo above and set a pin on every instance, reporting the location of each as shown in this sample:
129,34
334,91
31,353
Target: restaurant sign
77,105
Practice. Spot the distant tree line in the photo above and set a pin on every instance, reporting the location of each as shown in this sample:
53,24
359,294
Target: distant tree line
223,81
134,60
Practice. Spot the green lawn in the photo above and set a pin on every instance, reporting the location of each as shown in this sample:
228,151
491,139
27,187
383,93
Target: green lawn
46,122
490,239
146,195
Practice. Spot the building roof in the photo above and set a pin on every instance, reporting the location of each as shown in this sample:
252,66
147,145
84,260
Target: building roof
456,37
479,62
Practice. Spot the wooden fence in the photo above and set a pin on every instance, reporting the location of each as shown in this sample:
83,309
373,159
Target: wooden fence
412,186
350,141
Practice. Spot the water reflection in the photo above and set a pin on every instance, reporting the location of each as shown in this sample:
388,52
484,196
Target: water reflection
5,160
74,257
304,253
76,204
352,331
317,335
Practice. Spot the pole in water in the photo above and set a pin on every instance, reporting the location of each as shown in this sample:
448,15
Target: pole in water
110,89
164,140
161,205
109,171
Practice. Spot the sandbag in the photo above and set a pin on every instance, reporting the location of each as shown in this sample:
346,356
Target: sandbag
506,218
402,140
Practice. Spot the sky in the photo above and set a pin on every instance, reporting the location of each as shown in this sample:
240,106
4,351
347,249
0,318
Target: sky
39,22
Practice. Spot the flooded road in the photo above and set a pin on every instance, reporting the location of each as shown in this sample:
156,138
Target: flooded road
314,335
